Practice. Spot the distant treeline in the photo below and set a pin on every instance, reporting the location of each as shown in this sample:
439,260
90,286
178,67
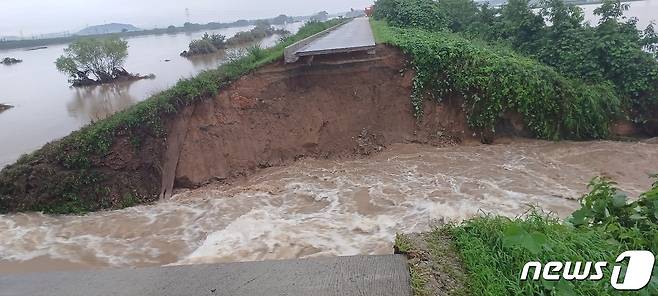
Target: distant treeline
187,27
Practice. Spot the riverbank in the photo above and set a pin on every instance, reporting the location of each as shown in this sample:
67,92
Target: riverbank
10,61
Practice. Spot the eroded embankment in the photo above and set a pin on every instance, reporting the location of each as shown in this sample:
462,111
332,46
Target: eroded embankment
338,106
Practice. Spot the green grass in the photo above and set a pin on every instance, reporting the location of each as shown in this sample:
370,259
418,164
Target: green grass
495,249
493,81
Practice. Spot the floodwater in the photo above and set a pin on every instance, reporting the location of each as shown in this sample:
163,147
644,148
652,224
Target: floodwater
327,207
47,108
645,11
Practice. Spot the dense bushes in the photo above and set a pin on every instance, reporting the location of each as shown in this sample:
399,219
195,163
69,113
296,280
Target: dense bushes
411,13
261,31
494,81
612,52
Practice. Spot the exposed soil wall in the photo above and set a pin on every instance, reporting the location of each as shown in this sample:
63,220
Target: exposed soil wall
338,106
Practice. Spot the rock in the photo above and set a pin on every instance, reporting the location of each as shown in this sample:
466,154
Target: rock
10,61
4,107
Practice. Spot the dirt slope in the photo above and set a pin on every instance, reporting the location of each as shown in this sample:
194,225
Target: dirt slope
338,106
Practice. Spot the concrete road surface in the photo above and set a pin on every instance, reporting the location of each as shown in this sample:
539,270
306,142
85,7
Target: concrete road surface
353,36
359,275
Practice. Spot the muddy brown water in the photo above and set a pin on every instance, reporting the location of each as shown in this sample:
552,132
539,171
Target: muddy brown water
327,207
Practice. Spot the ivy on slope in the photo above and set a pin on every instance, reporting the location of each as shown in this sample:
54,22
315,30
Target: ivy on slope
97,138
494,81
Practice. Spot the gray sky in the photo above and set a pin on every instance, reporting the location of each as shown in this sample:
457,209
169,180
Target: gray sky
47,16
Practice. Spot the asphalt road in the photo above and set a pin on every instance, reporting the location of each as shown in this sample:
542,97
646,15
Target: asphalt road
357,34
358,275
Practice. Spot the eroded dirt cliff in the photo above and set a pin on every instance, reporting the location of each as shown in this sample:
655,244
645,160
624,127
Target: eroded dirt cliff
338,106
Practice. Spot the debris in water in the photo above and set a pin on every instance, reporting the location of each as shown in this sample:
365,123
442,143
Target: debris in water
4,107
10,61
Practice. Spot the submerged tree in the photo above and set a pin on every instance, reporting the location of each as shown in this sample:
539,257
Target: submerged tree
209,43
94,60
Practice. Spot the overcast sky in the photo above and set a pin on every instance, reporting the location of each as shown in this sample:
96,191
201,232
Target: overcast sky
47,16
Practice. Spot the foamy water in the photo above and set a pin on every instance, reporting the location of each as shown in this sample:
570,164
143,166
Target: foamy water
328,208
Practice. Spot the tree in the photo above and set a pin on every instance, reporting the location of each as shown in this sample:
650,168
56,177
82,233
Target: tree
209,43
100,58
424,14
519,25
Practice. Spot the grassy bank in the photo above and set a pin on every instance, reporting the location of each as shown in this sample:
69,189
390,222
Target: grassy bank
66,176
493,250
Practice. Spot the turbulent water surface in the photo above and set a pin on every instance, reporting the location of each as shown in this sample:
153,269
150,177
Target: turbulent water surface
327,207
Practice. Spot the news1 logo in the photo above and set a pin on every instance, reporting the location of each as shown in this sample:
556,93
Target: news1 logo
638,272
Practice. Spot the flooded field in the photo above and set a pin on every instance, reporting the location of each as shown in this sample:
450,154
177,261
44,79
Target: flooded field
47,108
327,207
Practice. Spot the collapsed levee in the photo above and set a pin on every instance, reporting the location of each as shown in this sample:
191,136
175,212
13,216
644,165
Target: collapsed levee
340,105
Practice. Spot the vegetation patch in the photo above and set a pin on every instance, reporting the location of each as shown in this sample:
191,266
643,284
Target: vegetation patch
10,61
493,250
60,172
90,61
261,31
211,43
567,78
